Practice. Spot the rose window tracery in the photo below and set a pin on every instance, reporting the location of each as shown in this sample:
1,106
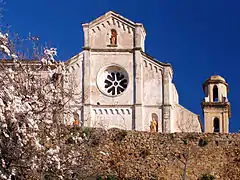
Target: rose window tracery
112,80
115,83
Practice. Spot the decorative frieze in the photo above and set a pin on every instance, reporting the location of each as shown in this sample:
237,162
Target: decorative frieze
113,23
151,67
112,111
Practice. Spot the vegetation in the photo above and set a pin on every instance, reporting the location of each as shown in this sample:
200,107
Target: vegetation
207,177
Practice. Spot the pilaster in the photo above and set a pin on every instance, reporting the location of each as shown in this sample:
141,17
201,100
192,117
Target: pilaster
137,77
86,88
139,36
167,102
86,35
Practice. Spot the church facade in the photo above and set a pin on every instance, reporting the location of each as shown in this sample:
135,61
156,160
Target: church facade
119,85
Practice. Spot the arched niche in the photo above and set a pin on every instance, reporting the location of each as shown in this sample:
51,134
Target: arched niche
216,125
215,93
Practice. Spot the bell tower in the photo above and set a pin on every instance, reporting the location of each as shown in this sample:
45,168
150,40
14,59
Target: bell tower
215,105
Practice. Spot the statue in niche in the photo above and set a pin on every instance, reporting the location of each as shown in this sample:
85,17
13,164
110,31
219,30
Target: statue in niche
113,39
154,123
76,118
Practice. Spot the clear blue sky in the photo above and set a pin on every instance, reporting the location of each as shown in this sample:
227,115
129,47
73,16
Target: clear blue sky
199,38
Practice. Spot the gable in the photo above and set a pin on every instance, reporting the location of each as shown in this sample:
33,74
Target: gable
110,14
112,31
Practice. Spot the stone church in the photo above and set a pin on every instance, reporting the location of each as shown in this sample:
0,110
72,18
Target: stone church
115,84
122,86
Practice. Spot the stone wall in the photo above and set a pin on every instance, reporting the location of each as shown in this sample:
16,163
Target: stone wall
184,120
152,82
144,155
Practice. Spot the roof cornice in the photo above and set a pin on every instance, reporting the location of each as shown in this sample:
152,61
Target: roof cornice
116,16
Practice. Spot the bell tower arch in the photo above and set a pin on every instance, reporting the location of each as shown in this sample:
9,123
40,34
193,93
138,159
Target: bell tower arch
215,105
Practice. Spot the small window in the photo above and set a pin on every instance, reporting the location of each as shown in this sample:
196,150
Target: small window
215,93
216,125
113,39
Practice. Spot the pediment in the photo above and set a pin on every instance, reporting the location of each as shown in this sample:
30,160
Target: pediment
112,19
113,31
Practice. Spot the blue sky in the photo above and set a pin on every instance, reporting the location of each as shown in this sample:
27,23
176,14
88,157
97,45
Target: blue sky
199,38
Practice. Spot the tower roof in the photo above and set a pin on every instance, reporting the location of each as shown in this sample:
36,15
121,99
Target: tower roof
214,80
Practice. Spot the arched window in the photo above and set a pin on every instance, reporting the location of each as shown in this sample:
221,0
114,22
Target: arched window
113,39
215,93
216,125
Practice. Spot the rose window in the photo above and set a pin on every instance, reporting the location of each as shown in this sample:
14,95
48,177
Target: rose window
115,83
112,80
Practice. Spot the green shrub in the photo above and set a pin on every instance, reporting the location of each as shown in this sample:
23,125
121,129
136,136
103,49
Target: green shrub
119,136
172,135
94,140
144,153
202,142
87,132
108,177
207,177
70,140
190,136
185,141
